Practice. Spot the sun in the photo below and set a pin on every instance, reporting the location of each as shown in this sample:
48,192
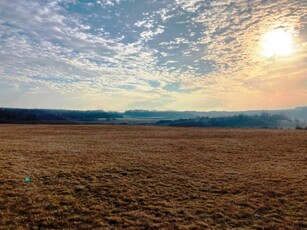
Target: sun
277,43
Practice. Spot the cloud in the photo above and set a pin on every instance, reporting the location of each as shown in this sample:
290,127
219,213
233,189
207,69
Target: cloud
150,34
172,51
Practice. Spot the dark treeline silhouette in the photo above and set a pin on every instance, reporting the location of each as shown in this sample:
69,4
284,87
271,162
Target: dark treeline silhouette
8,115
299,127
258,121
165,118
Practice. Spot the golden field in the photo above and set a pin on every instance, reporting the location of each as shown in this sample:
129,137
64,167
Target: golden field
138,177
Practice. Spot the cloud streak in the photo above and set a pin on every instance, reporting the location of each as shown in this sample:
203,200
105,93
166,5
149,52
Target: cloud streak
198,53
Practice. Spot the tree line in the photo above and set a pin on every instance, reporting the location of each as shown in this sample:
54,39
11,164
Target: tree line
259,121
8,115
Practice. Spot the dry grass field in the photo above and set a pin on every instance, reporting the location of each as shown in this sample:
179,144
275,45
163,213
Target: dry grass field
135,177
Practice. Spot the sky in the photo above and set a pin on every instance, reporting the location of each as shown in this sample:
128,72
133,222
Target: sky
158,55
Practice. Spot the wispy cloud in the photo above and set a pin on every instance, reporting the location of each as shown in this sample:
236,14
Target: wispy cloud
168,55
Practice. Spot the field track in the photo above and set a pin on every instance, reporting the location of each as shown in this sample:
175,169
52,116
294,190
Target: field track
101,177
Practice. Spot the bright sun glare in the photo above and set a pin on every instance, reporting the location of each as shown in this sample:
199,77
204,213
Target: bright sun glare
277,43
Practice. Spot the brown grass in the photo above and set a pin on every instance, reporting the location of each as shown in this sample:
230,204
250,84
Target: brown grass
100,177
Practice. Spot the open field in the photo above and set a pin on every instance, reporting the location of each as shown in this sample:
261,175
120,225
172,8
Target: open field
98,177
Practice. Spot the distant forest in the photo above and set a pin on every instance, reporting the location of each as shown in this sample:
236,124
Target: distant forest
53,116
258,119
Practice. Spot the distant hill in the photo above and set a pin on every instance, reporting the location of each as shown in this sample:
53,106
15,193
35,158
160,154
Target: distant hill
299,113
288,118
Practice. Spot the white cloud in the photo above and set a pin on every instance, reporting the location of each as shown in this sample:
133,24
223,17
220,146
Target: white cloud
189,5
45,47
149,34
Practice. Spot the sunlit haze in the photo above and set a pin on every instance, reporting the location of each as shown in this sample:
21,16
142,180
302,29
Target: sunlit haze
158,55
277,43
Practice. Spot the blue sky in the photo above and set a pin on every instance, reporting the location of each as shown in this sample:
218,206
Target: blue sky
129,54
